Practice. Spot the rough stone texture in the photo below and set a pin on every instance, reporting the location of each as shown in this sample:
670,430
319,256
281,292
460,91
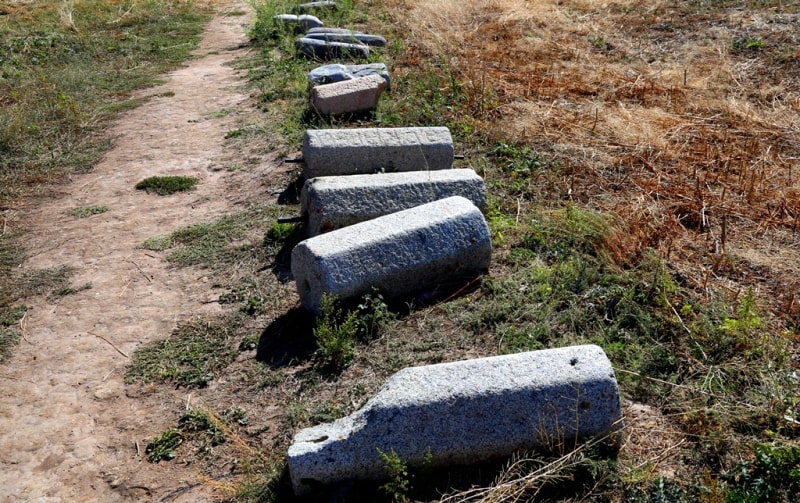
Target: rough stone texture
349,96
329,152
333,202
323,51
303,22
326,29
322,5
350,38
463,412
398,254
328,74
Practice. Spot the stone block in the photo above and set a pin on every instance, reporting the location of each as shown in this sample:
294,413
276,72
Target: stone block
464,412
329,29
350,38
349,96
333,202
329,152
323,51
322,5
398,254
328,74
302,23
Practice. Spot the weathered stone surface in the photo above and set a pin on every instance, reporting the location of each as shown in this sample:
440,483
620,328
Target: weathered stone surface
463,412
303,22
350,38
398,254
321,5
329,29
329,152
328,74
333,202
349,96
323,51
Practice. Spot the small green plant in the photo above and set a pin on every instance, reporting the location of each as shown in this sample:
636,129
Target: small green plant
87,211
158,243
373,316
166,185
748,44
279,231
774,475
335,333
163,447
399,483
234,133
196,421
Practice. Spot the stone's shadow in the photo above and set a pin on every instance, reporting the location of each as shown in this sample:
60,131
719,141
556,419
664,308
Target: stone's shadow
287,340
312,119
430,483
281,266
291,194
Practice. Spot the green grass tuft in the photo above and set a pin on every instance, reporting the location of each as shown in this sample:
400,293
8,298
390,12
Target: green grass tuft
189,358
166,185
87,211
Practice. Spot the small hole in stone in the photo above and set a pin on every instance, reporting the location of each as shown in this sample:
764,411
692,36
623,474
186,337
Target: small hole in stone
320,439
306,286
573,362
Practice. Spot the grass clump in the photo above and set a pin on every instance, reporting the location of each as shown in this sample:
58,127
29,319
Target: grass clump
163,447
87,211
166,185
337,330
213,244
9,332
773,475
189,358
335,333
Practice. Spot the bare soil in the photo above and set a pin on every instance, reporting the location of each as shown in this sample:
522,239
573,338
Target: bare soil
70,429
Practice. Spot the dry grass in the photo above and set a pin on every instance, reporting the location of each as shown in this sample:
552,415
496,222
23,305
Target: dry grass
687,133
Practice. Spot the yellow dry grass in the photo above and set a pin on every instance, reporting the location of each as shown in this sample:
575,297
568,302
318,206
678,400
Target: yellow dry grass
682,117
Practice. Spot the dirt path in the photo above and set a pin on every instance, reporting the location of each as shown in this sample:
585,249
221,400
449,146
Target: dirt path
68,430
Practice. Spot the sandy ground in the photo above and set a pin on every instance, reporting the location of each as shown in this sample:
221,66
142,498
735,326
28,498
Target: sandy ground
69,428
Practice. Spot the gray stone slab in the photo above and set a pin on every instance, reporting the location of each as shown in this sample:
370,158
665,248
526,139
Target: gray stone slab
330,29
349,96
464,412
333,202
329,74
397,254
350,38
322,5
330,152
323,51
303,22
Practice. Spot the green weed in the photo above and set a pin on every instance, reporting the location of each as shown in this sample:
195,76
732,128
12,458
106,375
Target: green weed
163,447
774,475
190,357
335,333
87,211
212,244
399,483
166,185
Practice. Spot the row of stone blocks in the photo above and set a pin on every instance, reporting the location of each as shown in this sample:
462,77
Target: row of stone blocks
402,220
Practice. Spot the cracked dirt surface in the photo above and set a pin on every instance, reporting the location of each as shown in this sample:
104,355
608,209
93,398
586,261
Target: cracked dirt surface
69,428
